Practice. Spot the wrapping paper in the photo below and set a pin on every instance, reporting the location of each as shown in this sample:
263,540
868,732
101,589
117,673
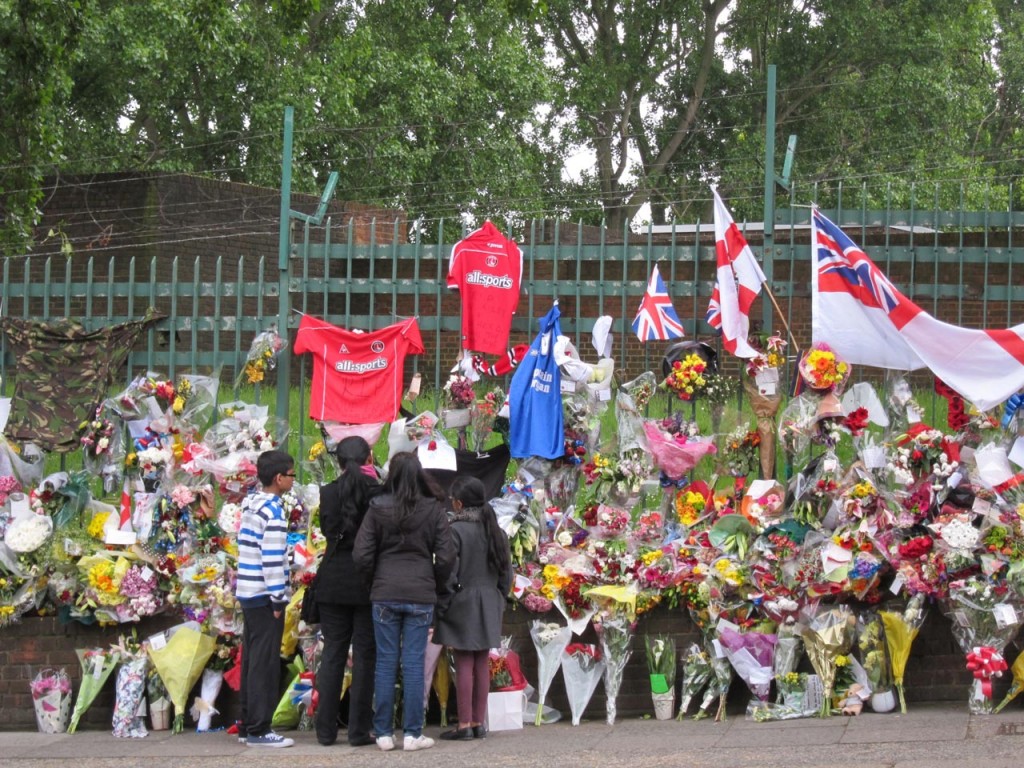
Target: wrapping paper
130,699
829,634
616,636
203,708
581,672
765,409
901,627
751,655
51,698
97,664
550,641
697,673
180,663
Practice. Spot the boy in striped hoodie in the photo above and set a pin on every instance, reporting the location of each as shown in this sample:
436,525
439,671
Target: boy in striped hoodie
262,591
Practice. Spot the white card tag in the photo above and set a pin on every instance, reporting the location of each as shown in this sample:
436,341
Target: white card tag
897,584
767,380
1004,615
158,641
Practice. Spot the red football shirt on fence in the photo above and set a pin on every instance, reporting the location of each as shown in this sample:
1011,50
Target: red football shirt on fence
486,268
357,376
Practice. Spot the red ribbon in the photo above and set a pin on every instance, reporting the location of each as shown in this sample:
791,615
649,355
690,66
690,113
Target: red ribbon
985,662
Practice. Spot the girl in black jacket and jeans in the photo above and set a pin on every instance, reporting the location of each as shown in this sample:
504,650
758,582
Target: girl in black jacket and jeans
344,600
404,548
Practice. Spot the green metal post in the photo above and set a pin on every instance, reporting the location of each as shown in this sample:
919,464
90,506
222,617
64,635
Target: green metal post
768,252
284,246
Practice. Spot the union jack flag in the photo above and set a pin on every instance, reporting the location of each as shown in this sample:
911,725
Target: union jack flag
845,268
656,320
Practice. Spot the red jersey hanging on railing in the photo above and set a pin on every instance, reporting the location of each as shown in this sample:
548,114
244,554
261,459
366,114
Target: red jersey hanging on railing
486,268
357,376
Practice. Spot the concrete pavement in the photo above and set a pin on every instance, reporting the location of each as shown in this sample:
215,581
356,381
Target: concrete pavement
929,736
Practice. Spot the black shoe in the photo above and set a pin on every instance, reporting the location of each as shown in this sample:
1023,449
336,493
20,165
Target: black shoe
479,732
362,741
325,742
458,734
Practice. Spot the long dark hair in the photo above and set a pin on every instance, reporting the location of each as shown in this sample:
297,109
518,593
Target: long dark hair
471,492
408,483
352,453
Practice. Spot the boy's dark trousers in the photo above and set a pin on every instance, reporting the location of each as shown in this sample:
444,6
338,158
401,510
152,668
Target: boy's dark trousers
261,668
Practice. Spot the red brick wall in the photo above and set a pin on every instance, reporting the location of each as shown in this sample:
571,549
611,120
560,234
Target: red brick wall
935,671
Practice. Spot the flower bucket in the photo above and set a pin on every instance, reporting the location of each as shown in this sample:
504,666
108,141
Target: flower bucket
53,712
664,705
885,701
160,714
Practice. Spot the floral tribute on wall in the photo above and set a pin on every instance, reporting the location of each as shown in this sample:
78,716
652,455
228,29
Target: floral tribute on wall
807,578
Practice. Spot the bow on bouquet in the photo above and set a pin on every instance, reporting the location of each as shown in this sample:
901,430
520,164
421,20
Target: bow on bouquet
985,662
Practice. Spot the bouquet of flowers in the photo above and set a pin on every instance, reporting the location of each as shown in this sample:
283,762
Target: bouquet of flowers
550,640
616,634
481,418
130,690
901,627
675,453
630,401
582,668
98,437
828,634
97,664
159,703
51,697
875,660
983,620
741,452
262,356
688,377
822,369
1017,669
751,655
180,662
203,706
697,673
764,391
661,666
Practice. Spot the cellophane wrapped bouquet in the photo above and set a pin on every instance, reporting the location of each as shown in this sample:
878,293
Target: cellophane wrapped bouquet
616,634
51,697
582,668
549,640
984,620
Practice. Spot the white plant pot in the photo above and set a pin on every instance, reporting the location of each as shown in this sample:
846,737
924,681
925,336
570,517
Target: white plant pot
884,701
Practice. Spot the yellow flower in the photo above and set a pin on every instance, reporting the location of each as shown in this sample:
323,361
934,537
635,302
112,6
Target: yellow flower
95,528
6,610
317,450
179,404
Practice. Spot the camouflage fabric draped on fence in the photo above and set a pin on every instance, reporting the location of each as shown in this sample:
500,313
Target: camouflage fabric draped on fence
63,372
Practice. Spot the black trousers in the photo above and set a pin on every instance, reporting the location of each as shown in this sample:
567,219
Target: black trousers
261,668
343,626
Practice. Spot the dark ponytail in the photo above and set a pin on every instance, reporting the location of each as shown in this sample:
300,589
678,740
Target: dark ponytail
408,483
352,453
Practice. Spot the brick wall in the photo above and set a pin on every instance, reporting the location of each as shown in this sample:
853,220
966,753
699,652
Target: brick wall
935,671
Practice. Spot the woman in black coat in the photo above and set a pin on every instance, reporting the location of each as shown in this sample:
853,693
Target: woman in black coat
471,625
344,600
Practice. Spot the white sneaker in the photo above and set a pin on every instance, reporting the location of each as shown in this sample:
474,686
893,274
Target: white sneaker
412,743
385,743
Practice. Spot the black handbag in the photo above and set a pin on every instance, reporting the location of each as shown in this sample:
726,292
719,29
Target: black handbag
309,612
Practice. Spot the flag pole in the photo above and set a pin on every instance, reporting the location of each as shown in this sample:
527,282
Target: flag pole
782,317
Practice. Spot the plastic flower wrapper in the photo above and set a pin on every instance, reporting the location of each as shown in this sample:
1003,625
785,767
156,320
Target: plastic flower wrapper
288,712
983,620
902,623
130,690
180,662
194,400
549,640
102,442
630,403
793,700
697,673
97,664
871,647
482,414
156,696
751,655
616,634
718,688
1017,670
51,697
582,668
789,648
797,425
262,356
675,455
519,524
828,634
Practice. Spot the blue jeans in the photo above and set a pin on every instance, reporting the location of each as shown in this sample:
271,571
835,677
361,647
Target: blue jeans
400,630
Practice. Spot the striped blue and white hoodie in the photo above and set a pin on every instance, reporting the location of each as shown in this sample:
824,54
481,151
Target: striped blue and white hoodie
262,552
